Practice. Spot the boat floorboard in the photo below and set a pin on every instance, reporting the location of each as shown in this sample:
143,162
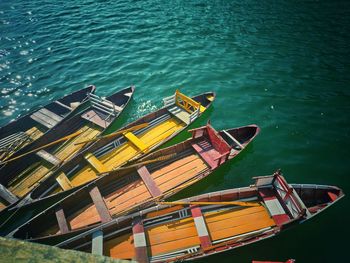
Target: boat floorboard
122,154
30,177
136,192
182,234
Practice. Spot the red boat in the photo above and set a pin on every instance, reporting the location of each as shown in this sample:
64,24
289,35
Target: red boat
207,224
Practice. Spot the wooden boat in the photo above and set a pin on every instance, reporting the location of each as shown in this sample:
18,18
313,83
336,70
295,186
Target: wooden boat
30,165
156,176
288,261
207,224
108,154
26,129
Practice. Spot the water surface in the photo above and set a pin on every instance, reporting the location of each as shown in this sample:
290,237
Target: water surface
283,65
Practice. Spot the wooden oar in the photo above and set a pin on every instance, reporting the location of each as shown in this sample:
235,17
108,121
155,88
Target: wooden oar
210,203
136,127
44,146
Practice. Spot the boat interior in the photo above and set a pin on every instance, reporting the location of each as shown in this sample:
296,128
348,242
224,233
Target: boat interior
43,162
181,229
27,129
160,173
108,155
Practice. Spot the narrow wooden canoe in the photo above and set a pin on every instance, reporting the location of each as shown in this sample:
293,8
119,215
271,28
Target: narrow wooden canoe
110,153
156,176
20,176
26,129
207,224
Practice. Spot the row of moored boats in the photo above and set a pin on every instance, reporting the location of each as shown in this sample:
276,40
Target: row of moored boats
67,180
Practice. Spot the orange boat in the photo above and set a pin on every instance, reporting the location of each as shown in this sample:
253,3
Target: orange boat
157,176
207,224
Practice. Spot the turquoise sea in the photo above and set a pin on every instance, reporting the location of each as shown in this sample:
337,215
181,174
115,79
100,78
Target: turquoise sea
284,65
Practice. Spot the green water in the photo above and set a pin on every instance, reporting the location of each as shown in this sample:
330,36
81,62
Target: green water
283,65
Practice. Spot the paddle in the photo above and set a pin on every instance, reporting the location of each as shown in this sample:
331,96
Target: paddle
210,203
136,127
44,146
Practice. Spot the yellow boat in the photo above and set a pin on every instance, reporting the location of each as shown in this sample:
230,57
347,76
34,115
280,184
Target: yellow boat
127,144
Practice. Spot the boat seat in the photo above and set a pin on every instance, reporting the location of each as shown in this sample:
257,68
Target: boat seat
136,141
104,105
61,220
234,139
180,113
207,152
7,195
148,181
100,204
201,227
46,118
95,163
64,182
274,206
63,105
97,243
48,157
140,242
97,118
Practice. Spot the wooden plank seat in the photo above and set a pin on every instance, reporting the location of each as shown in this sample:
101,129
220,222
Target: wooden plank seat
61,220
50,158
95,163
180,113
97,243
121,140
64,182
273,205
140,243
201,227
7,195
104,105
207,152
135,141
63,105
100,205
46,118
97,118
148,181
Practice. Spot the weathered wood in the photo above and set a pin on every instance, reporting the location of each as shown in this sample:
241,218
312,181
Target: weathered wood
46,118
100,204
149,182
233,139
49,157
51,115
63,105
97,243
201,227
180,113
140,243
64,182
95,163
61,220
207,152
93,117
136,141
7,195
